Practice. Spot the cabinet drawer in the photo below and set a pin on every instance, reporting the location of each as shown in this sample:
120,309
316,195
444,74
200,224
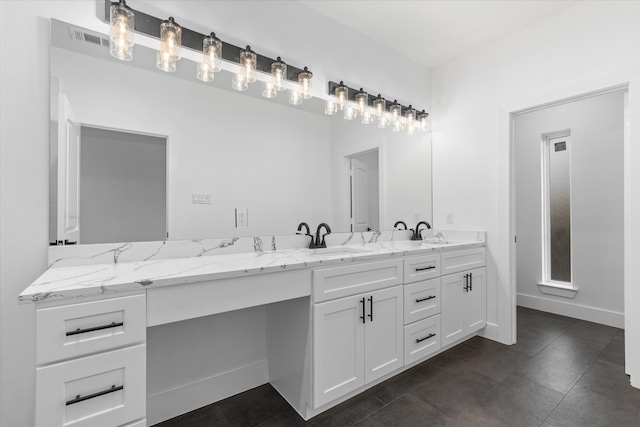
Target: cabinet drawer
338,282
421,268
106,389
454,262
79,329
421,300
421,339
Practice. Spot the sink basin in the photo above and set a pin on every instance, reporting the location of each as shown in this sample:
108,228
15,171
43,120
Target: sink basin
339,250
435,241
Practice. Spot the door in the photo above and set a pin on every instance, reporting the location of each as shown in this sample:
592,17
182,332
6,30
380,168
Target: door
452,314
475,301
383,337
68,203
338,331
359,195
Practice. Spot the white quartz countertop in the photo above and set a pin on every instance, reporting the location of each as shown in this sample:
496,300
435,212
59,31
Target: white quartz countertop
95,279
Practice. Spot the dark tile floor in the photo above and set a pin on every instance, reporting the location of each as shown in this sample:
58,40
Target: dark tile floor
562,372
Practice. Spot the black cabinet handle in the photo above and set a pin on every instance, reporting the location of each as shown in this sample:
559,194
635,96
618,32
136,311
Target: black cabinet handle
418,340
466,283
363,310
425,299
97,328
91,396
371,308
470,281
426,268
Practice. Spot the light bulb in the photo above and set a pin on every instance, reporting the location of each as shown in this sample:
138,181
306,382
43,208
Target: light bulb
295,98
367,116
362,100
342,95
279,72
239,82
269,90
350,112
379,105
170,43
205,72
249,64
423,121
211,52
396,111
330,108
383,122
304,79
122,20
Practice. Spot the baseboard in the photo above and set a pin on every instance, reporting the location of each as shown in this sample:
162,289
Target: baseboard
490,332
563,308
177,401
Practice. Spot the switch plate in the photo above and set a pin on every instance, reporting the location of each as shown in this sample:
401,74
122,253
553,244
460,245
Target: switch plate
449,217
242,217
201,198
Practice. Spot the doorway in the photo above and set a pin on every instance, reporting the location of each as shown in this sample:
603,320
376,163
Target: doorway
364,191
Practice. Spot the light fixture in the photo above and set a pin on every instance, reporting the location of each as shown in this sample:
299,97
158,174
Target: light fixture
423,121
410,119
304,79
379,105
279,72
342,94
362,101
249,64
170,42
350,112
367,116
122,21
211,53
239,82
330,108
383,122
269,90
396,111
295,98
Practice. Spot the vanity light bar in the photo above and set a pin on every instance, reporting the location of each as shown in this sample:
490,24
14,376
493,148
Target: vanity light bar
150,25
351,96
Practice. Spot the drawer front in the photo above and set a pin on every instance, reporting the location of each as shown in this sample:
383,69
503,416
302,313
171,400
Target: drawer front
107,389
421,300
421,268
457,261
338,282
76,330
421,339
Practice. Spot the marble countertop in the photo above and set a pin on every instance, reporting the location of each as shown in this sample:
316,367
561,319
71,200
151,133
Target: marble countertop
62,282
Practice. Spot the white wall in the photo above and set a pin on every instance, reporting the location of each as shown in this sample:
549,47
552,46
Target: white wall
597,150
589,46
24,157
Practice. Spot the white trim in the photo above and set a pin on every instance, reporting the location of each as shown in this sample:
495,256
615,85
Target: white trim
490,331
180,400
569,309
556,289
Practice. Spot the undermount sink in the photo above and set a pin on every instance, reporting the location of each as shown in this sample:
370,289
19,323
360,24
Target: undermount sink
339,250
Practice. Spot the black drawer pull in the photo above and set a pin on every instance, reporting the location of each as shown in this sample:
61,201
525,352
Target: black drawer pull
426,268
371,308
91,396
97,328
425,299
425,338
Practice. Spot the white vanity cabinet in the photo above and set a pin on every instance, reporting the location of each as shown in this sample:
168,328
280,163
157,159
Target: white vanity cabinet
464,298
358,338
91,359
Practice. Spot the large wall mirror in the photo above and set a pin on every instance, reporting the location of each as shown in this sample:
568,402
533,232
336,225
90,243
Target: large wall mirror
138,155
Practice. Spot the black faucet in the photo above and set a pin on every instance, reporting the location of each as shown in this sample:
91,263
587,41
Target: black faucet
416,234
319,243
400,222
308,233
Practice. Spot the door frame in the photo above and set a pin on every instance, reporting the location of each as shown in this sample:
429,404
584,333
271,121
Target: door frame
345,210
507,300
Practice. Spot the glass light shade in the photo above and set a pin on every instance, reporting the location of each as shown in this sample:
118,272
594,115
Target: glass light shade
212,52
239,82
304,78
350,112
279,72
205,72
379,106
396,111
411,129
330,108
269,90
397,126
367,116
170,43
342,95
122,22
295,98
362,100
423,121
249,64
410,116
383,122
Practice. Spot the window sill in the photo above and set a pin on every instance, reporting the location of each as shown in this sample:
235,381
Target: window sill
565,291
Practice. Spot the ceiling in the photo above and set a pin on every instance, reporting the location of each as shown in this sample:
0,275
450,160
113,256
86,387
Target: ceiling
433,32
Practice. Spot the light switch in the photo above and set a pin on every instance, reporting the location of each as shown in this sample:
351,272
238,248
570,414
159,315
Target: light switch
449,217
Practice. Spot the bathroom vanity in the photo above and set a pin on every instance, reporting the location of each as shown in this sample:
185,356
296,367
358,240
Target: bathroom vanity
340,319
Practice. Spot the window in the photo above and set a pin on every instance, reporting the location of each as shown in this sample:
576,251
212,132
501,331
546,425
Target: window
556,205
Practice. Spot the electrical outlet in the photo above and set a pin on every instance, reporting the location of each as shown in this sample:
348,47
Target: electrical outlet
416,217
449,217
201,198
242,217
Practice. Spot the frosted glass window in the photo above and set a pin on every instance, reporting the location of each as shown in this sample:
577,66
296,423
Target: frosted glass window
558,209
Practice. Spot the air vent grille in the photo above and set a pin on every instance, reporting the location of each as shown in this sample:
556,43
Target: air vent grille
89,38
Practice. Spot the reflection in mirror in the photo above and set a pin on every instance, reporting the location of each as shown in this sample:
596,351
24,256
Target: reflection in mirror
278,163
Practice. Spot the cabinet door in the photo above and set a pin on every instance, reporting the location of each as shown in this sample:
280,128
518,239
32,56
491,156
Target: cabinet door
383,339
452,312
338,348
475,301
